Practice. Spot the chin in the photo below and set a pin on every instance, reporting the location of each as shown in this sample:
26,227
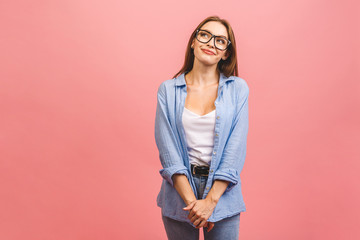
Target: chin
207,62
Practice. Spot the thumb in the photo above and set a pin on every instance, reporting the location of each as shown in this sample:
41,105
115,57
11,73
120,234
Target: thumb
188,207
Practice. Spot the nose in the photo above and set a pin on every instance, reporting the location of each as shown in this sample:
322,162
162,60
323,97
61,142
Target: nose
211,43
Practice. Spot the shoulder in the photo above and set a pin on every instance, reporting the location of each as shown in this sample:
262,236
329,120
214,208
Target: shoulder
165,86
240,86
240,83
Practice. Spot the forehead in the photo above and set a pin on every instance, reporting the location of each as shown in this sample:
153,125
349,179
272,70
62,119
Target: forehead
215,28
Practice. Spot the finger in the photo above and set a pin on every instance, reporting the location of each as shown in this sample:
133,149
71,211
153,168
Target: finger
201,221
202,224
191,214
211,226
197,221
190,206
194,218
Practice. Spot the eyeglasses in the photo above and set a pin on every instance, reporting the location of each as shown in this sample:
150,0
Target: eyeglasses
204,36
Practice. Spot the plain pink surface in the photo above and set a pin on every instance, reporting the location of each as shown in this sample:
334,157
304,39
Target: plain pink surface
78,82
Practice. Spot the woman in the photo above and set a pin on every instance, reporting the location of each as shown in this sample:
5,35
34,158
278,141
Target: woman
201,128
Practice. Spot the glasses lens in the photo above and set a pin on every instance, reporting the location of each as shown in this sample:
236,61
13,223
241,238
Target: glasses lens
204,37
221,43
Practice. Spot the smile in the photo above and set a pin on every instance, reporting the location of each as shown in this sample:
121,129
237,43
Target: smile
207,52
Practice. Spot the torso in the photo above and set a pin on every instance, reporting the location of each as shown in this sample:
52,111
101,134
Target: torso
200,100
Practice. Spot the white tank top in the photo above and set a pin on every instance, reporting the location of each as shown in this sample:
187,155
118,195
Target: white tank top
199,131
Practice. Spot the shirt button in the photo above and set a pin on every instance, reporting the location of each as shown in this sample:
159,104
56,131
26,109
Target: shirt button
217,135
211,170
207,188
218,117
214,152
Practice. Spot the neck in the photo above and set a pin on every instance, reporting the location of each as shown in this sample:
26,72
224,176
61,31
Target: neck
203,76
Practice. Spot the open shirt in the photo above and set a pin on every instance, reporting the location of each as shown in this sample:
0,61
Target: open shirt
231,129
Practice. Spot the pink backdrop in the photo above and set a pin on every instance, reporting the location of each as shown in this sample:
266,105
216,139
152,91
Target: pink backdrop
78,82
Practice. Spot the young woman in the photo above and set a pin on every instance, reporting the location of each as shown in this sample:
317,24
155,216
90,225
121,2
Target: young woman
201,128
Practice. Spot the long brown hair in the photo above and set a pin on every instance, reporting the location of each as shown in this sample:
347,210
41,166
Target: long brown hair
229,66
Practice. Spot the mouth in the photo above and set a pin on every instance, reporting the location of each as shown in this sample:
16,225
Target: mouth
208,52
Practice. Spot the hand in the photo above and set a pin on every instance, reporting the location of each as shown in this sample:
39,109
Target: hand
208,225
200,211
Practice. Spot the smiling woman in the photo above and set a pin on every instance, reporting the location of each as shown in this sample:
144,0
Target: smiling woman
201,128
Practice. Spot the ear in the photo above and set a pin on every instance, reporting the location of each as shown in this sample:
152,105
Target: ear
226,55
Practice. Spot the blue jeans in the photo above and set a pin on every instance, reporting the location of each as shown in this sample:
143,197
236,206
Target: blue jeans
227,228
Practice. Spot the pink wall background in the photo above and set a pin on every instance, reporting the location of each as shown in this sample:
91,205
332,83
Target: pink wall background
78,86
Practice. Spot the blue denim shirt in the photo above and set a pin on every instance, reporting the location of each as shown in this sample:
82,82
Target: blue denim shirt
231,128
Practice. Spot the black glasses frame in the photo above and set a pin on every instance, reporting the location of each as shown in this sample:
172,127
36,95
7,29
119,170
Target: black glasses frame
212,36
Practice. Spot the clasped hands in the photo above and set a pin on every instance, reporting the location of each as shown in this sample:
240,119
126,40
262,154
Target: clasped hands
200,211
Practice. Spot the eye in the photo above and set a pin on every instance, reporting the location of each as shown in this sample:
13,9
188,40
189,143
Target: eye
221,41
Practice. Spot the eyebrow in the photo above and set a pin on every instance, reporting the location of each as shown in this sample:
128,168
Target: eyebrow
217,35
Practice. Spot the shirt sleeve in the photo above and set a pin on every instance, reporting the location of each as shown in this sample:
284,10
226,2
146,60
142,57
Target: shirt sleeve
169,152
233,157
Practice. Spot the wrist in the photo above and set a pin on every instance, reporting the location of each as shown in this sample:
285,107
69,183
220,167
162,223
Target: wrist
190,200
212,199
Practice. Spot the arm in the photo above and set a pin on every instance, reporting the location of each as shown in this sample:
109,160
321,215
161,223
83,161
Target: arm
169,152
233,157
182,186
217,190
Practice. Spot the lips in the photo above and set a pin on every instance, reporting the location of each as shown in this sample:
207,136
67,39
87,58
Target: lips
208,52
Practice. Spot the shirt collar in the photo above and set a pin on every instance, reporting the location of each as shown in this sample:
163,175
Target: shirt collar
180,80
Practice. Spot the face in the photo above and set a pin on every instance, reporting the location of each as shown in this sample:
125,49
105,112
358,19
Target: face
215,28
